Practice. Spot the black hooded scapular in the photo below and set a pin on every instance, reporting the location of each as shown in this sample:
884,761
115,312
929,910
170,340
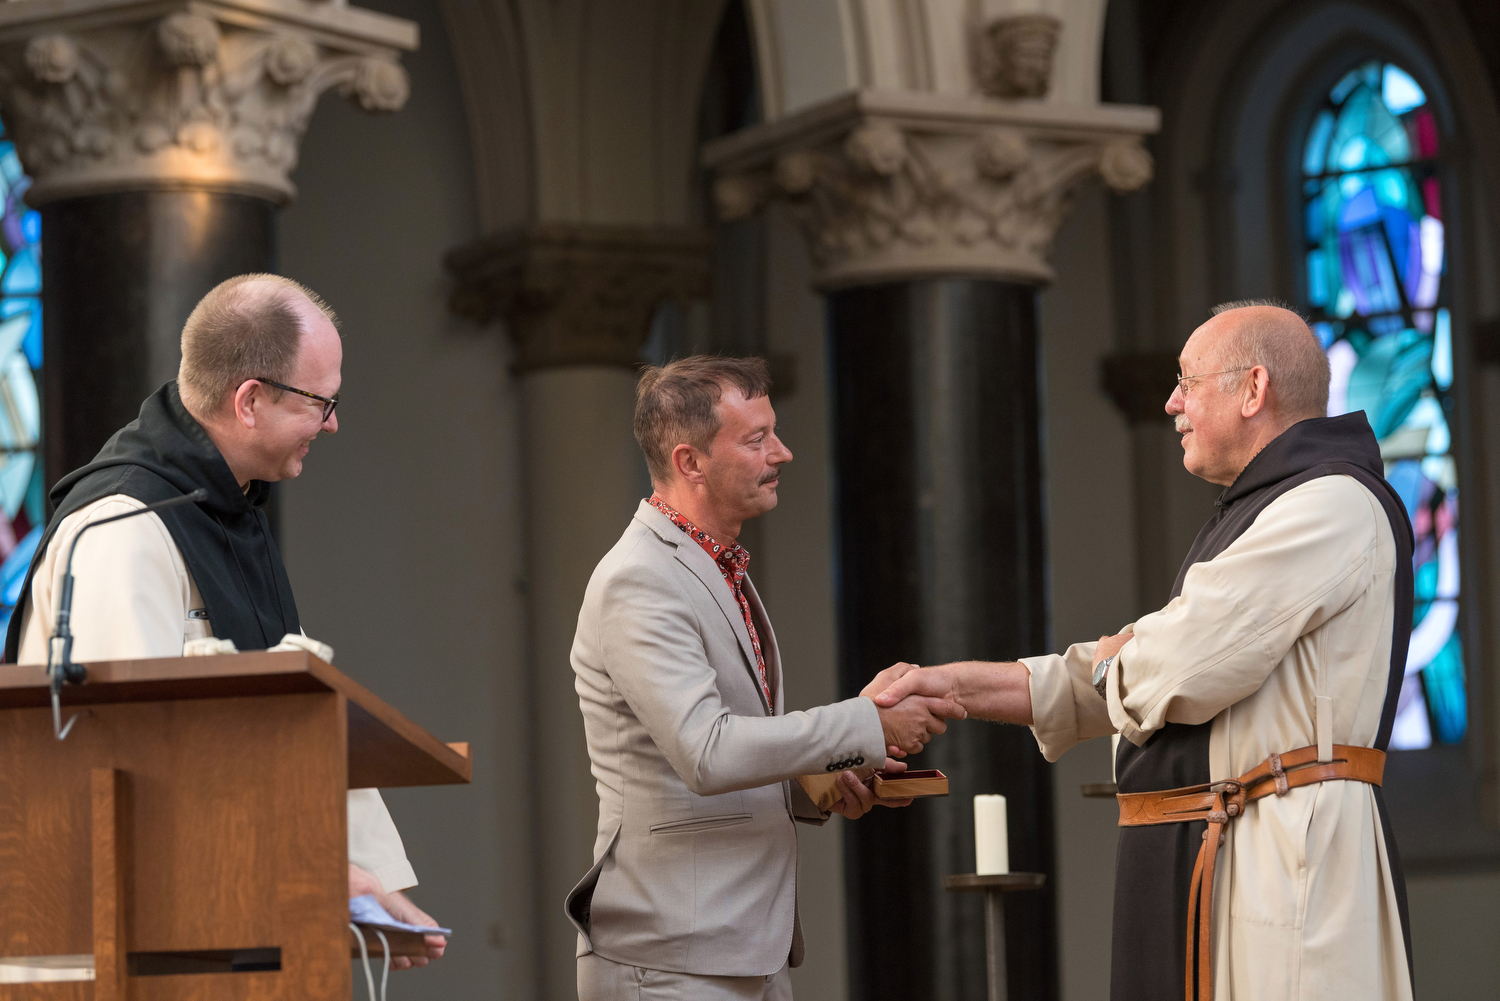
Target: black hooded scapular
225,541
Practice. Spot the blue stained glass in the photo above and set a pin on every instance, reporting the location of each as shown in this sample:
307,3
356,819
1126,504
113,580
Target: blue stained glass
1314,218
1390,188
1344,86
15,477
13,570
1317,143
19,393
1366,264
22,484
12,332
24,276
1443,683
1399,91
1359,211
1317,279
1375,254
1405,476
36,498
31,344
1442,351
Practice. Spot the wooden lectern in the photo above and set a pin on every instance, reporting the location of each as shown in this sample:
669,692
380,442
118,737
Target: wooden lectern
193,821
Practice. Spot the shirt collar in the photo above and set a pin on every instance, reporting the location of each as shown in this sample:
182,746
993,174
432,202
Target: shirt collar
733,556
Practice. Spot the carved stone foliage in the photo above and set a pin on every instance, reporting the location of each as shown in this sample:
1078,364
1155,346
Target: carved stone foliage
184,99
579,294
1016,55
894,196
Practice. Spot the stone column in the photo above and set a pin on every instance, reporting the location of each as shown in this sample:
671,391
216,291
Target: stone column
160,141
578,301
929,219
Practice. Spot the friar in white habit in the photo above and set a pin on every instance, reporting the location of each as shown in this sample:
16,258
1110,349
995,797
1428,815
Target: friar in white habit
1255,860
259,380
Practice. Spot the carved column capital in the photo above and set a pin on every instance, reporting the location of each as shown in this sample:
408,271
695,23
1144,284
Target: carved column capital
109,95
889,186
579,294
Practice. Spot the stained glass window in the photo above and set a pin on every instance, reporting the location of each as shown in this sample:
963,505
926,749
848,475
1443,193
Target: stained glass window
22,489
1375,265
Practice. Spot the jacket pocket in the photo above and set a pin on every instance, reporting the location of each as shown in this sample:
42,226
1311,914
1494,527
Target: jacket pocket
696,825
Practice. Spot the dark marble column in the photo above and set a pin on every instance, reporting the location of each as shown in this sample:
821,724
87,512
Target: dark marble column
942,557
120,275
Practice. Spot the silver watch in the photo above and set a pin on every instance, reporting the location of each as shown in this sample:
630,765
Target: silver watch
1100,673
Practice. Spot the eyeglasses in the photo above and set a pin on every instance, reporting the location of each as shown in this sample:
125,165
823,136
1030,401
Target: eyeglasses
1183,380
329,402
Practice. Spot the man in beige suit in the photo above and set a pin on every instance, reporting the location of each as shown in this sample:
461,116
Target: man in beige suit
693,892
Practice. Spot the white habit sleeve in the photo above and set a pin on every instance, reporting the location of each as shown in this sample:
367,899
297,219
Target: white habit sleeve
1065,708
1303,560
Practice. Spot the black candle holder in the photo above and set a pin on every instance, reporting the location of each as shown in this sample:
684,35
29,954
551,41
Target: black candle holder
994,887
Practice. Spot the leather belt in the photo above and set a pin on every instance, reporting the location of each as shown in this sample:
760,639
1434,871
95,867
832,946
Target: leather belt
1219,803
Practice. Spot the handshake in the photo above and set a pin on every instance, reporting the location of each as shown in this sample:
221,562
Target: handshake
913,704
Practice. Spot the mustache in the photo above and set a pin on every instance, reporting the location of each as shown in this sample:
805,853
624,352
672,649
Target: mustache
1182,424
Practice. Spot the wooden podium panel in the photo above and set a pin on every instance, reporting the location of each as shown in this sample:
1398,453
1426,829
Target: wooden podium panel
197,807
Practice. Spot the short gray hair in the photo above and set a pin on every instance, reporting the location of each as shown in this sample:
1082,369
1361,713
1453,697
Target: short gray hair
247,327
1288,350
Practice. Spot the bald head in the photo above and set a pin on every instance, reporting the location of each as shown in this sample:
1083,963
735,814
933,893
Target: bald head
1251,332
248,327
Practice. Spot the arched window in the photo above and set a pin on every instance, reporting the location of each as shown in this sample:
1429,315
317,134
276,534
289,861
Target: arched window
1375,260
22,487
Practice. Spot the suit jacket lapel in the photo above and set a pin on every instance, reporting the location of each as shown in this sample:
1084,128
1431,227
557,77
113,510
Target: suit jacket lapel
702,566
768,648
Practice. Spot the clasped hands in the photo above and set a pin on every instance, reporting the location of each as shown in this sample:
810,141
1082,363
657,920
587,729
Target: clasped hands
908,723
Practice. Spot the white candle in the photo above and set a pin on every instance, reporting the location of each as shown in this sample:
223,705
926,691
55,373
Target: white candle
991,836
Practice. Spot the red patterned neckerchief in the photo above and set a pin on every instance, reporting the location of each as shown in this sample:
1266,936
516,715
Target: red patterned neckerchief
732,562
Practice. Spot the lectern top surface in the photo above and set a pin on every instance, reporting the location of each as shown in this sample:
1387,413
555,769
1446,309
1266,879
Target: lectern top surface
385,748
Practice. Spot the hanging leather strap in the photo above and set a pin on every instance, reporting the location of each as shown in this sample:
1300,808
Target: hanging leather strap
1219,803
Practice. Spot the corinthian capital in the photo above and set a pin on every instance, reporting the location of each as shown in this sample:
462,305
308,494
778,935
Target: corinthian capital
110,95
893,186
578,294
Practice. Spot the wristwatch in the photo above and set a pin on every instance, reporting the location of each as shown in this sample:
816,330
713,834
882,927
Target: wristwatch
1100,673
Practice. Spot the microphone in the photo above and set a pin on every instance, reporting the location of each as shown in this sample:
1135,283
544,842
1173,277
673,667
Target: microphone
60,666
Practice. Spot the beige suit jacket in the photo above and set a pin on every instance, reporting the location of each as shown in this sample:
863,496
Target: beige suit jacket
695,860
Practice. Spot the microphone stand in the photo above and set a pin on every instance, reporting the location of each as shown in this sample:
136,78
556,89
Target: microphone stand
60,666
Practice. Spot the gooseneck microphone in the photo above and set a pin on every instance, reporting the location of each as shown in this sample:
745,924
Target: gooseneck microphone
60,666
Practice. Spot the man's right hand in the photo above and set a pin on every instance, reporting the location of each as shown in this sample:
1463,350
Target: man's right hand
913,721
